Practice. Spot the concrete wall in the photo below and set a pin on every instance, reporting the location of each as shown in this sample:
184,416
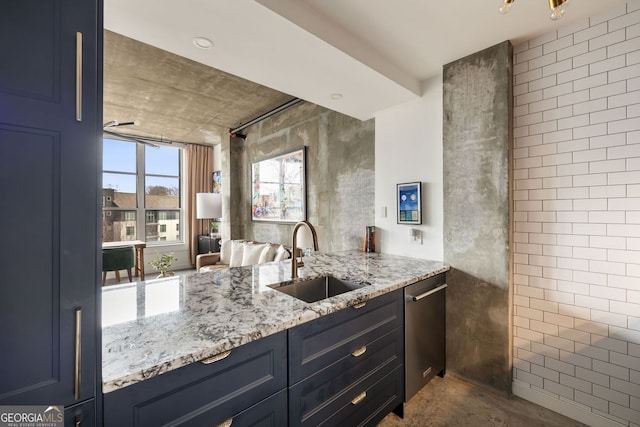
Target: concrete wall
217,157
339,174
409,149
577,219
476,140
233,170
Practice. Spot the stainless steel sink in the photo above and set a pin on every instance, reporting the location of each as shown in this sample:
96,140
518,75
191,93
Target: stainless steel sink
313,290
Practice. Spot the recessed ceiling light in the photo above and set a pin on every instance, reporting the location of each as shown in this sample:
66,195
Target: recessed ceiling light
336,96
202,42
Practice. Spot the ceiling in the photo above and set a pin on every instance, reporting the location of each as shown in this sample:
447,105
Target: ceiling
174,98
374,53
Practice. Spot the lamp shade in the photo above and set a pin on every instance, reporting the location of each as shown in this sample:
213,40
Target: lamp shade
208,205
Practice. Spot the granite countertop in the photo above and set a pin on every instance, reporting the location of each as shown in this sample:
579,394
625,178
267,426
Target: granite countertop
155,326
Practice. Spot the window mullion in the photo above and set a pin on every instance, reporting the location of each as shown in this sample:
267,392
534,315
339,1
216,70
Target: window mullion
140,193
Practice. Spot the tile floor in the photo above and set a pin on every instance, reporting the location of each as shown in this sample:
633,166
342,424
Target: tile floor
452,402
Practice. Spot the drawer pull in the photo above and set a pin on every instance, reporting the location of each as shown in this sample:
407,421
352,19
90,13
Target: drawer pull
431,292
226,423
79,76
359,305
216,358
359,352
359,398
78,354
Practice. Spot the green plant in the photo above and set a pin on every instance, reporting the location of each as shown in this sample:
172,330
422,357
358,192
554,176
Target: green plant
162,262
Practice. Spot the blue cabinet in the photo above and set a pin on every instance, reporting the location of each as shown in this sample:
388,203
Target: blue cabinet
347,368
50,142
271,412
205,394
81,415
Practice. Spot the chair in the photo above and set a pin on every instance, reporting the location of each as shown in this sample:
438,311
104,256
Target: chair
116,259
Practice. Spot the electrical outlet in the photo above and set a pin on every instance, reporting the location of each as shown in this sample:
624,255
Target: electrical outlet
415,236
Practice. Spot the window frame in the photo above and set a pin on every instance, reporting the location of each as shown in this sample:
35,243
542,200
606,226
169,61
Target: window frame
140,209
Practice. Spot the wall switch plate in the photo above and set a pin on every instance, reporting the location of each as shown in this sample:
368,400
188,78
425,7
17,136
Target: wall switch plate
383,212
415,236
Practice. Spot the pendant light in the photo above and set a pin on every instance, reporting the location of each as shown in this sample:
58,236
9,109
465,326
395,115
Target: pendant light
557,7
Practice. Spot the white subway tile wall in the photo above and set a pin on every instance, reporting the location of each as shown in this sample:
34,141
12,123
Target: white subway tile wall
577,215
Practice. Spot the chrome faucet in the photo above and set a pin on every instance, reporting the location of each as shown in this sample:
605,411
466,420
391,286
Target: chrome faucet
294,259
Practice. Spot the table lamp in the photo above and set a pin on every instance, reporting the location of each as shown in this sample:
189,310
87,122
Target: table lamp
208,206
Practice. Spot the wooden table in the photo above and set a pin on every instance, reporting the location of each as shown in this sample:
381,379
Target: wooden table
139,246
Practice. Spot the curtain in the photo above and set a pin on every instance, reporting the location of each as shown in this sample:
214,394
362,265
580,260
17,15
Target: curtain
199,172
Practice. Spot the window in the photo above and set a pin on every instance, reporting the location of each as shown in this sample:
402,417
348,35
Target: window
141,192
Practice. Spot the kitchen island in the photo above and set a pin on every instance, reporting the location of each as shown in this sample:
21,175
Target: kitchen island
157,326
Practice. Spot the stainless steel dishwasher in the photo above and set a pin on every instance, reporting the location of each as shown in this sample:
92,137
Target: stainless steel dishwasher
424,316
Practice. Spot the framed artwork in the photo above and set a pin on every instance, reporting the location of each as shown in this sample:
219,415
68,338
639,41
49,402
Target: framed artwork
278,188
217,181
410,203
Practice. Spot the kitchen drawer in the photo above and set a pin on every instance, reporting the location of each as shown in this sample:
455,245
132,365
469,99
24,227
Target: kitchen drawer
365,403
310,396
271,412
81,414
316,345
201,394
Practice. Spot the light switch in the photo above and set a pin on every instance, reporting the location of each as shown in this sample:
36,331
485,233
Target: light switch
383,212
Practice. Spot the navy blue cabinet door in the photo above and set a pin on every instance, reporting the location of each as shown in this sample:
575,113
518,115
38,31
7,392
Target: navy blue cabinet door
81,415
50,122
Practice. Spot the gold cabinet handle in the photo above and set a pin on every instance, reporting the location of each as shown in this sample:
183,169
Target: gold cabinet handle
431,292
359,352
226,423
359,305
78,422
79,76
216,358
359,398
78,364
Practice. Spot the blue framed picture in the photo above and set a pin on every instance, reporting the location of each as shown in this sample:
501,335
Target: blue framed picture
410,203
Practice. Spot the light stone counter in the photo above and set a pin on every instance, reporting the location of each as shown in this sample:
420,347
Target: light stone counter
153,327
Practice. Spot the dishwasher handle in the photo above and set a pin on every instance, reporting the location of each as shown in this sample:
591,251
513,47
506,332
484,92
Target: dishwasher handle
426,294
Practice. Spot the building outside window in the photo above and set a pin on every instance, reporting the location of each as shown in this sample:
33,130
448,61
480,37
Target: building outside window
141,192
